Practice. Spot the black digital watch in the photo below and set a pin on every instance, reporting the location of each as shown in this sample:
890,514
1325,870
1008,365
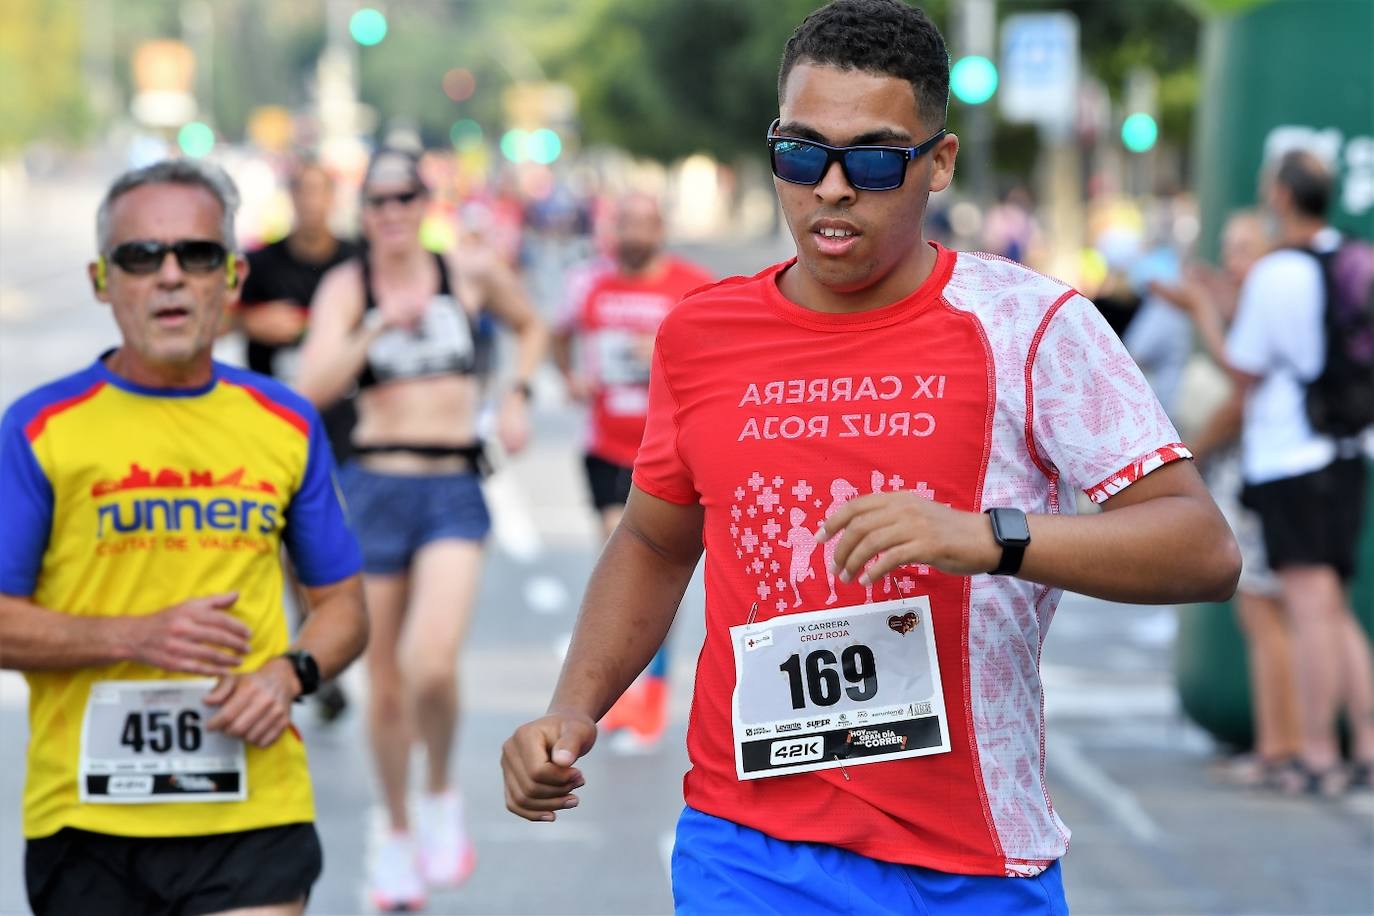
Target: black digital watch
307,670
1013,534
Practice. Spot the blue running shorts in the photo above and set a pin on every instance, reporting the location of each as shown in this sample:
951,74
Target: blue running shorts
720,867
394,515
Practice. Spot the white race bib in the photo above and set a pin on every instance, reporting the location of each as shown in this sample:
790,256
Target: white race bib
145,742
627,401
835,688
617,359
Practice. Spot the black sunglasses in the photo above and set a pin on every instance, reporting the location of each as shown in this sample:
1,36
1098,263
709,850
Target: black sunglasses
196,256
867,168
405,198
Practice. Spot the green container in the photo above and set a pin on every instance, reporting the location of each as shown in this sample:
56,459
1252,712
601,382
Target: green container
1279,72
1274,72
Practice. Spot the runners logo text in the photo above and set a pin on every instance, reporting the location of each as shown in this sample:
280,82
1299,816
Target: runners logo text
167,513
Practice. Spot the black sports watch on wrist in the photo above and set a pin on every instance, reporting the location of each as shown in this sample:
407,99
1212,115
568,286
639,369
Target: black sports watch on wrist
307,670
1010,530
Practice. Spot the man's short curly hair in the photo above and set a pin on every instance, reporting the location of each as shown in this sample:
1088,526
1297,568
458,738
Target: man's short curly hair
886,37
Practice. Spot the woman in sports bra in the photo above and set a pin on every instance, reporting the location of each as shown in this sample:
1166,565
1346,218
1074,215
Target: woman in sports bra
400,323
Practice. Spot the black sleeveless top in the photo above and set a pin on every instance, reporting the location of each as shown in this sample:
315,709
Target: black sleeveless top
444,342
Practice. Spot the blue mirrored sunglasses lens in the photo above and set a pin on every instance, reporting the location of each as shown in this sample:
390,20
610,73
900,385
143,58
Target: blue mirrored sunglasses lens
797,161
874,169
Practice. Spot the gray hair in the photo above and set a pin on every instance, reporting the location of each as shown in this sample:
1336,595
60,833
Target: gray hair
188,172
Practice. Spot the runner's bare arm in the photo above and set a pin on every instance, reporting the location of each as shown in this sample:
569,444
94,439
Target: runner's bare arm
506,299
1161,540
628,607
1221,428
504,296
279,322
630,602
335,628
257,706
336,342
197,636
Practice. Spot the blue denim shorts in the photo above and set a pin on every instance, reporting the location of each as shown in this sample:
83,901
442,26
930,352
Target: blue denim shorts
394,515
720,867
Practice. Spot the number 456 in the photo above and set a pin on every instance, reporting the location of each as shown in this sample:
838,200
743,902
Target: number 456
156,731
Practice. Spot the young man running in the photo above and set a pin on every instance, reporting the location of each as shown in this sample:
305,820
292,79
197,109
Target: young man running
146,501
886,754
614,319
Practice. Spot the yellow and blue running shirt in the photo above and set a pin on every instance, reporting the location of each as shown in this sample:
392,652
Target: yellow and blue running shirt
122,500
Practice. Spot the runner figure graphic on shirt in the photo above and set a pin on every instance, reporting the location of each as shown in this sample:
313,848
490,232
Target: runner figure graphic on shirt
841,492
802,542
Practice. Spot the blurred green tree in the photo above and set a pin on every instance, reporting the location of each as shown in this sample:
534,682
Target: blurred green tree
40,70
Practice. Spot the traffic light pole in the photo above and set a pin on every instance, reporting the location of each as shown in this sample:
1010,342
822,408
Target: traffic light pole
976,30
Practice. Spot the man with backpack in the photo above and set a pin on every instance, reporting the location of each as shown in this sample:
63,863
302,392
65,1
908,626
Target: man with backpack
1301,349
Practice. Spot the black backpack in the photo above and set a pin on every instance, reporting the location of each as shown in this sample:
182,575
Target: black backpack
1340,400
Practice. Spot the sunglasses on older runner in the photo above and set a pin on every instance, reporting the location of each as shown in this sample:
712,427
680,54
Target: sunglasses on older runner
195,256
867,168
404,198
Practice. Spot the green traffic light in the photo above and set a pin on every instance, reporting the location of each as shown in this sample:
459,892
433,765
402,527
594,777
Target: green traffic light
196,139
973,79
543,146
367,26
1139,132
514,145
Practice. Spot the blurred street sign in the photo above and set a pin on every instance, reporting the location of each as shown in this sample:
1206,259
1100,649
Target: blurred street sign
1039,69
164,74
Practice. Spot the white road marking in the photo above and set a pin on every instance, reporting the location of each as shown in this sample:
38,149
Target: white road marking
546,595
1069,762
666,842
1087,693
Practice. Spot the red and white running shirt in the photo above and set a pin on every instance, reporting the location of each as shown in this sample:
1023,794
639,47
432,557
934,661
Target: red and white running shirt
612,315
991,385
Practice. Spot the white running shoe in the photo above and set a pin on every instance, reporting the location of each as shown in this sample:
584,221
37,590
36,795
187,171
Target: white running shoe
396,883
446,854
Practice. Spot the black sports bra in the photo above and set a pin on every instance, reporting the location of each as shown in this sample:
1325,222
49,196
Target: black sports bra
443,343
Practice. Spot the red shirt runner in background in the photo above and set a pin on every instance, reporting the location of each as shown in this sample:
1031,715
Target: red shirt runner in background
617,318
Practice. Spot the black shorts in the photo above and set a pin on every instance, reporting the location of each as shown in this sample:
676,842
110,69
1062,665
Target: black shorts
1312,519
609,482
95,874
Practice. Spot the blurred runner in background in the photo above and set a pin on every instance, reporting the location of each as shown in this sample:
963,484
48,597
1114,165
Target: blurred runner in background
399,322
1306,484
1259,607
614,314
275,307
